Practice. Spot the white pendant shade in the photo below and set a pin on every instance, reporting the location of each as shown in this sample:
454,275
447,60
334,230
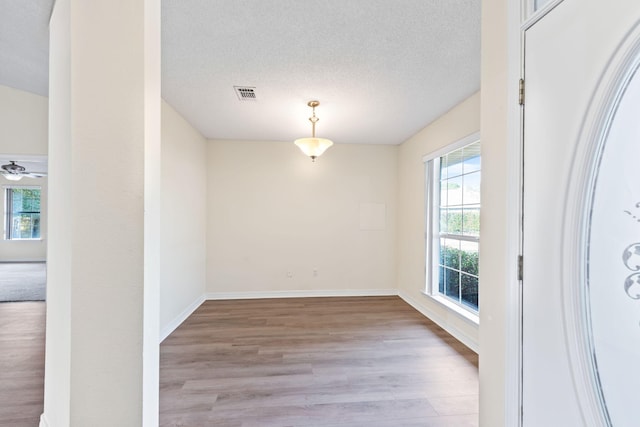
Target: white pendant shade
12,177
313,147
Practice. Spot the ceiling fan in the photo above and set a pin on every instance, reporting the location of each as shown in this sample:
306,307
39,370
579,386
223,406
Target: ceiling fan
15,172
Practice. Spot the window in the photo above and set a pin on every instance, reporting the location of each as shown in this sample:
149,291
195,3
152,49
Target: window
453,223
533,6
22,213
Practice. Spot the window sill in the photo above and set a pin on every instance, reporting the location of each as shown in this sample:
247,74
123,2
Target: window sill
455,308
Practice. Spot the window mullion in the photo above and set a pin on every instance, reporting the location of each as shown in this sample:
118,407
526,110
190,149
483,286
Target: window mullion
459,237
435,227
9,214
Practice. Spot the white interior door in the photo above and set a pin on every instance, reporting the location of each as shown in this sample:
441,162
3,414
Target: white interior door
581,241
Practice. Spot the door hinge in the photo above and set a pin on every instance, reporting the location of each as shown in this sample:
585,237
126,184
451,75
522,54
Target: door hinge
521,92
520,266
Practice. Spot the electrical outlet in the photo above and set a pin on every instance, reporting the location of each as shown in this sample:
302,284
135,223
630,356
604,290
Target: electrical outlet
315,272
289,275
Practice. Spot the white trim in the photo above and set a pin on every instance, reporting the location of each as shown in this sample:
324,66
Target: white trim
458,334
301,294
517,14
469,139
173,325
458,309
432,209
23,187
43,421
535,16
462,237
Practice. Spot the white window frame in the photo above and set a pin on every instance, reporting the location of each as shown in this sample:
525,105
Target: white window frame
432,213
533,10
6,230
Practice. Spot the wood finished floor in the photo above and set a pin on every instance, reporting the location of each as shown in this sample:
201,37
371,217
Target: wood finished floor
315,362
297,362
21,363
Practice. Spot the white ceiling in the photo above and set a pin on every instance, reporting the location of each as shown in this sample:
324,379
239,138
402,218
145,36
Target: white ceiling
24,44
381,69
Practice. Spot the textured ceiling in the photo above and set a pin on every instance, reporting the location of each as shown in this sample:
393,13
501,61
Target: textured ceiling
24,44
381,69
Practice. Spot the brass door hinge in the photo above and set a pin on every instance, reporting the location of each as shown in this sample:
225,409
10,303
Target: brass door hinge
520,267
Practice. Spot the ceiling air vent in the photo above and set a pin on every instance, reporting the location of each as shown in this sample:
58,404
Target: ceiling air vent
245,93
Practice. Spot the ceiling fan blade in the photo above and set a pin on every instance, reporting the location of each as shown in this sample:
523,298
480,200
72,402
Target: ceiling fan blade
14,172
34,174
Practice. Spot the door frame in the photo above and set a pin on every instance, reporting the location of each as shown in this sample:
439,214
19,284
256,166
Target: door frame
521,17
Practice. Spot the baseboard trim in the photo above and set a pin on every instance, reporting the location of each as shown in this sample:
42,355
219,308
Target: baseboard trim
24,261
440,321
301,294
173,325
43,421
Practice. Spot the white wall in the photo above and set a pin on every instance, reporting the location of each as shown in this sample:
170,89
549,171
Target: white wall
23,132
183,219
462,120
272,211
23,122
57,385
102,352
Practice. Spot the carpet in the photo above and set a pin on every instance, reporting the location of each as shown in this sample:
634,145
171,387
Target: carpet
23,281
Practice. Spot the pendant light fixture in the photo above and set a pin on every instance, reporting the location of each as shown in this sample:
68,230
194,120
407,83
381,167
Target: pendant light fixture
313,147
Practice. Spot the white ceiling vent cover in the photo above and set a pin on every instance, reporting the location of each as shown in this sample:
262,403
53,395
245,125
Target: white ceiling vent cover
246,93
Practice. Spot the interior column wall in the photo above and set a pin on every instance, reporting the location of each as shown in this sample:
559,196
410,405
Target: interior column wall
499,316
57,381
102,320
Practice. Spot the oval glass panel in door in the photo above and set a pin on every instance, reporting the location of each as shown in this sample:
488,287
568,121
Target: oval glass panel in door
614,261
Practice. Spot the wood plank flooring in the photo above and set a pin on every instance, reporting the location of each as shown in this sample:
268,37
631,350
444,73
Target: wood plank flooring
315,362
21,363
294,362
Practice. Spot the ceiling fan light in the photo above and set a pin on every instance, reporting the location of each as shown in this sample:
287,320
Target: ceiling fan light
313,147
13,177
